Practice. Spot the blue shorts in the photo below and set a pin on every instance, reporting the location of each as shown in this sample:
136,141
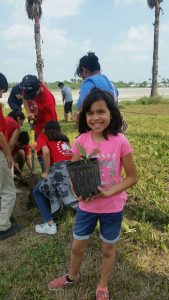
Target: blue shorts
110,225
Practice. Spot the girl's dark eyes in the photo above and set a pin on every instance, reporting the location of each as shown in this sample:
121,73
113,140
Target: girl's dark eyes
89,113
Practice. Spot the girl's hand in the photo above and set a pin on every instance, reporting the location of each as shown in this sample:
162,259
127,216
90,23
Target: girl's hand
85,200
104,193
30,116
44,174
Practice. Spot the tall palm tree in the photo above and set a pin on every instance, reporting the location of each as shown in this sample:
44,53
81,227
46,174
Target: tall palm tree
34,12
155,4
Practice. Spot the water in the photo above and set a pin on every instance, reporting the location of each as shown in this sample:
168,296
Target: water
124,94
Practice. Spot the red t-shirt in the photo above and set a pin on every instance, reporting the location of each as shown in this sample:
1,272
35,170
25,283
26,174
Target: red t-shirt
3,126
11,125
26,149
46,109
59,151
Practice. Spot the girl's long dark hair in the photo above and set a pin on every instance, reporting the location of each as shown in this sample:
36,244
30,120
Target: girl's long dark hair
115,122
15,114
53,132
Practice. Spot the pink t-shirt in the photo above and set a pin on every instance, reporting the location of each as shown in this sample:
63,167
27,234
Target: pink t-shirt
110,156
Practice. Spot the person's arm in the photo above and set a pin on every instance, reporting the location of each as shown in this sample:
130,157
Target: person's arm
63,96
46,158
75,157
13,139
18,170
85,89
130,179
5,148
19,97
28,161
30,115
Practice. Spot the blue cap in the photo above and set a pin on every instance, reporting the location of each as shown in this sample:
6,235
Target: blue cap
30,85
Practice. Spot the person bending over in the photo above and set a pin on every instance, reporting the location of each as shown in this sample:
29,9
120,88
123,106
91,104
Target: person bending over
55,189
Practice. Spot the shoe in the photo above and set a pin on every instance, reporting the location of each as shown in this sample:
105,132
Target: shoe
4,234
61,282
102,293
46,228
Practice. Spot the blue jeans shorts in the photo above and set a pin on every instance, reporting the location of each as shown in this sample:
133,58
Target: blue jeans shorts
110,225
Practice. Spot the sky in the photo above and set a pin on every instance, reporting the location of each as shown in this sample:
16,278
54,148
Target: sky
120,32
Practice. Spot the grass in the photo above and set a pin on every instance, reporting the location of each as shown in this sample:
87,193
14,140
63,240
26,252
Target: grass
29,261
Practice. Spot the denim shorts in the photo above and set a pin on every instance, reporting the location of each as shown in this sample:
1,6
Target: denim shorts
110,225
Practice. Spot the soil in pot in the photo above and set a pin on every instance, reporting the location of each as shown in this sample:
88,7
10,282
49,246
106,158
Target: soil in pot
85,177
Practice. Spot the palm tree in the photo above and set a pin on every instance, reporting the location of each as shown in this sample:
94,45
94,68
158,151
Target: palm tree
34,12
155,4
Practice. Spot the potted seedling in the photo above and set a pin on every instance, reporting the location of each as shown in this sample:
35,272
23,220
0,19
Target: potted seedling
84,174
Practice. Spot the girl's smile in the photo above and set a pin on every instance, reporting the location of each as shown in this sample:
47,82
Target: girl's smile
98,118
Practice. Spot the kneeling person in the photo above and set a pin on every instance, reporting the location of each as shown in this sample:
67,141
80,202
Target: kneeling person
55,189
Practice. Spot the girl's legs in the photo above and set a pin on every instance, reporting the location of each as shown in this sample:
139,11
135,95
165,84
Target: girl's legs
43,204
78,249
108,259
77,253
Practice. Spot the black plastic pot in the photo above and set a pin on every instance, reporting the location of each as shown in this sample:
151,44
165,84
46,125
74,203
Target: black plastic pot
85,177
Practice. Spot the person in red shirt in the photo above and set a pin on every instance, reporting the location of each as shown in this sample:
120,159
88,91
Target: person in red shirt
7,187
55,189
44,106
14,121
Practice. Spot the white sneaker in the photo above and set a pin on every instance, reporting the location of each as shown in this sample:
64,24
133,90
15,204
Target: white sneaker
46,228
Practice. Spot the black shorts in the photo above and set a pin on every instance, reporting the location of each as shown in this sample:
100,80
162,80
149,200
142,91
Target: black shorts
68,107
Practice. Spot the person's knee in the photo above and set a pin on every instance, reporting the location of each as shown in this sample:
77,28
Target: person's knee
108,250
36,190
78,248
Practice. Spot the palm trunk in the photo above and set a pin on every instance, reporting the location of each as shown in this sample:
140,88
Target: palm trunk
154,91
39,63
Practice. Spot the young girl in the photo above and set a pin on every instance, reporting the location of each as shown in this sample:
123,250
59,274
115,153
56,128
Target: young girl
99,126
55,188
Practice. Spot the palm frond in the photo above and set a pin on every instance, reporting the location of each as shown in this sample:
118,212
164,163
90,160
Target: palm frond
34,8
83,153
152,3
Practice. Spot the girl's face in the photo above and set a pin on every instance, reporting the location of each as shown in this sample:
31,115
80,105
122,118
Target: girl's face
98,118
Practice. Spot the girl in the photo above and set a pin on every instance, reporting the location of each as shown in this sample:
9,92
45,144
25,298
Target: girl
55,188
99,126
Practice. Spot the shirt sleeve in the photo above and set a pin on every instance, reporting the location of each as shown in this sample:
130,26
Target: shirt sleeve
85,89
74,148
2,121
27,150
126,147
41,142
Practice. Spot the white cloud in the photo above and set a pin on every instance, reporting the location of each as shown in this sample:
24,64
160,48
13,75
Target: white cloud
136,43
16,32
56,41
61,8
